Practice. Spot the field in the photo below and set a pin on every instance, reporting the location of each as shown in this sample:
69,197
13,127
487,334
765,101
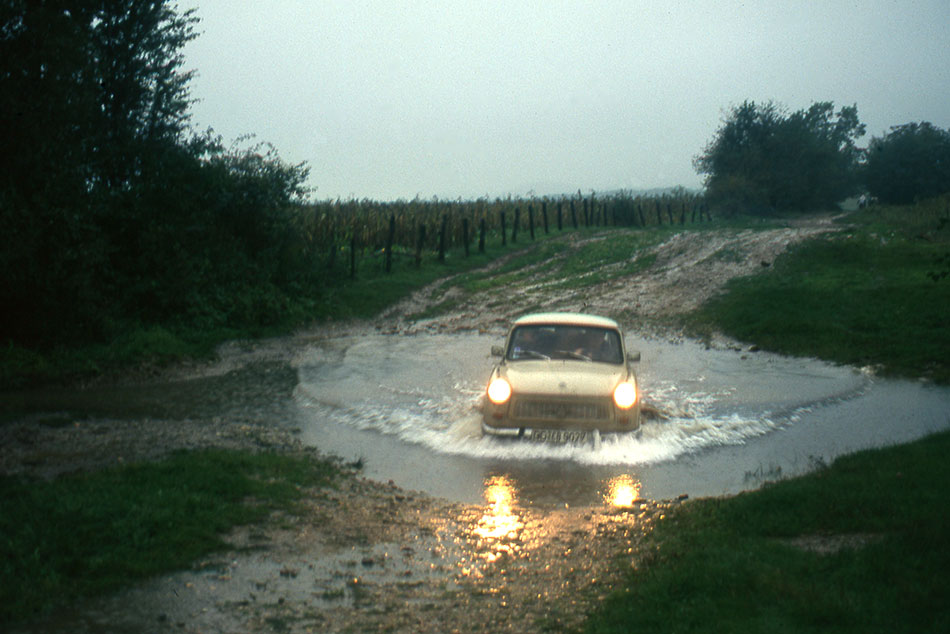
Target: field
859,545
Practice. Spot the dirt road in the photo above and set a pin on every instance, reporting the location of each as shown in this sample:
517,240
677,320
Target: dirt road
369,556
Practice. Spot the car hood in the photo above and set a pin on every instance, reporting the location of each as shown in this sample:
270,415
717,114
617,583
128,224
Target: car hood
567,378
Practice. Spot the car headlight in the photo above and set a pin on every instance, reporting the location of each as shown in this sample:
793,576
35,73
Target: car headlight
625,395
499,391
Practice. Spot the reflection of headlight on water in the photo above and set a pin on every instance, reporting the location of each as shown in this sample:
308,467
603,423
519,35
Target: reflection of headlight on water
499,522
622,491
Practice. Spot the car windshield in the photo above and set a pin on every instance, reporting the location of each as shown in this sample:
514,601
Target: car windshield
583,343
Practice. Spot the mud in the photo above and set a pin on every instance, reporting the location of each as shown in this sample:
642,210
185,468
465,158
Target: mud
689,268
369,556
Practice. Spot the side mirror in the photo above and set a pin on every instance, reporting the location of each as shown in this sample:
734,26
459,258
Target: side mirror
633,356
497,351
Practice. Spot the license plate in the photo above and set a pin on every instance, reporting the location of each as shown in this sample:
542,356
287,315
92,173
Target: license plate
560,436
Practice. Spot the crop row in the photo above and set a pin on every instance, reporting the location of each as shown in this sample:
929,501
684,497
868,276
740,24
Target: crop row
436,225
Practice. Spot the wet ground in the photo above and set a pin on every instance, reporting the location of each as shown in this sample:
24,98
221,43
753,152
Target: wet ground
450,530
723,420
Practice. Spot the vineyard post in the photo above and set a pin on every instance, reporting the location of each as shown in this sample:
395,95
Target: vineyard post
442,230
504,231
481,235
643,221
389,243
669,211
683,212
586,213
421,238
560,221
514,228
465,234
544,215
692,217
531,219
574,214
659,217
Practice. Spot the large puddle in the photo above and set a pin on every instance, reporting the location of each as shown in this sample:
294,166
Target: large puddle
407,407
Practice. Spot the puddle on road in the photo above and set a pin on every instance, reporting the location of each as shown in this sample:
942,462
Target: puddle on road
407,406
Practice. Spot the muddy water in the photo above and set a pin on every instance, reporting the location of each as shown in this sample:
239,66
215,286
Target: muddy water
407,407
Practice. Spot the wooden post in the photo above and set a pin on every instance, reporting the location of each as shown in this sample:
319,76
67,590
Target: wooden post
465,234
442,230
420,240
504,231
560,221
586,213
514,228
531,220
544,215
481,236
643,221
573,214
389,243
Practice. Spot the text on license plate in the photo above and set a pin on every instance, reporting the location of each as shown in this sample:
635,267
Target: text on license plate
560,436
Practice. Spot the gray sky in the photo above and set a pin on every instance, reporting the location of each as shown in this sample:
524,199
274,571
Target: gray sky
386,99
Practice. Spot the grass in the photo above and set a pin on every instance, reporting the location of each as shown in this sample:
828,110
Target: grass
862,545
87,534
343,297
864,297
738,564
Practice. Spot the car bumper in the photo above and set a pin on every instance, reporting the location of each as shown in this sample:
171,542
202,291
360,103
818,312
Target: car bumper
524,413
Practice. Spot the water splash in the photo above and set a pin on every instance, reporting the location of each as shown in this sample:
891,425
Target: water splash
426,390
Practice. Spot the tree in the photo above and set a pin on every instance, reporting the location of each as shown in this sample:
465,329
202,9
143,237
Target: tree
910,162
88,92
764,160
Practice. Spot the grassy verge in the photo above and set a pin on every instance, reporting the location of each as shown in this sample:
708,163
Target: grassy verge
866,296
860,546
342,297
88,534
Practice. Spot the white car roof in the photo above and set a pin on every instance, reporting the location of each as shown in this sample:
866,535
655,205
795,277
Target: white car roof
574,319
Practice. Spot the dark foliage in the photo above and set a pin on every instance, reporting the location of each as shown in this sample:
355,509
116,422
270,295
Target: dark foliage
909,163
763,160
111,210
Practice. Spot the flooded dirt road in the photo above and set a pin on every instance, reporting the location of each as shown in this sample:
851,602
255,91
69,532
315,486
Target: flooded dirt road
450,530
453,531
407,407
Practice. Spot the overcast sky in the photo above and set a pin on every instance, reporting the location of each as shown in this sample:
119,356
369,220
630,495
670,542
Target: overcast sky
388,100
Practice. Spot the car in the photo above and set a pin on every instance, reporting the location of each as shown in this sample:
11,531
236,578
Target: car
563,378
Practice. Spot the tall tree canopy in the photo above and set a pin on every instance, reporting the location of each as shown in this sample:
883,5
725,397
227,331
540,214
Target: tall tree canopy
111,209
911,161
762,159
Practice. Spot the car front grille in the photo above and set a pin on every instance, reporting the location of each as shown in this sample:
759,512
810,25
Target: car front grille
542,409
